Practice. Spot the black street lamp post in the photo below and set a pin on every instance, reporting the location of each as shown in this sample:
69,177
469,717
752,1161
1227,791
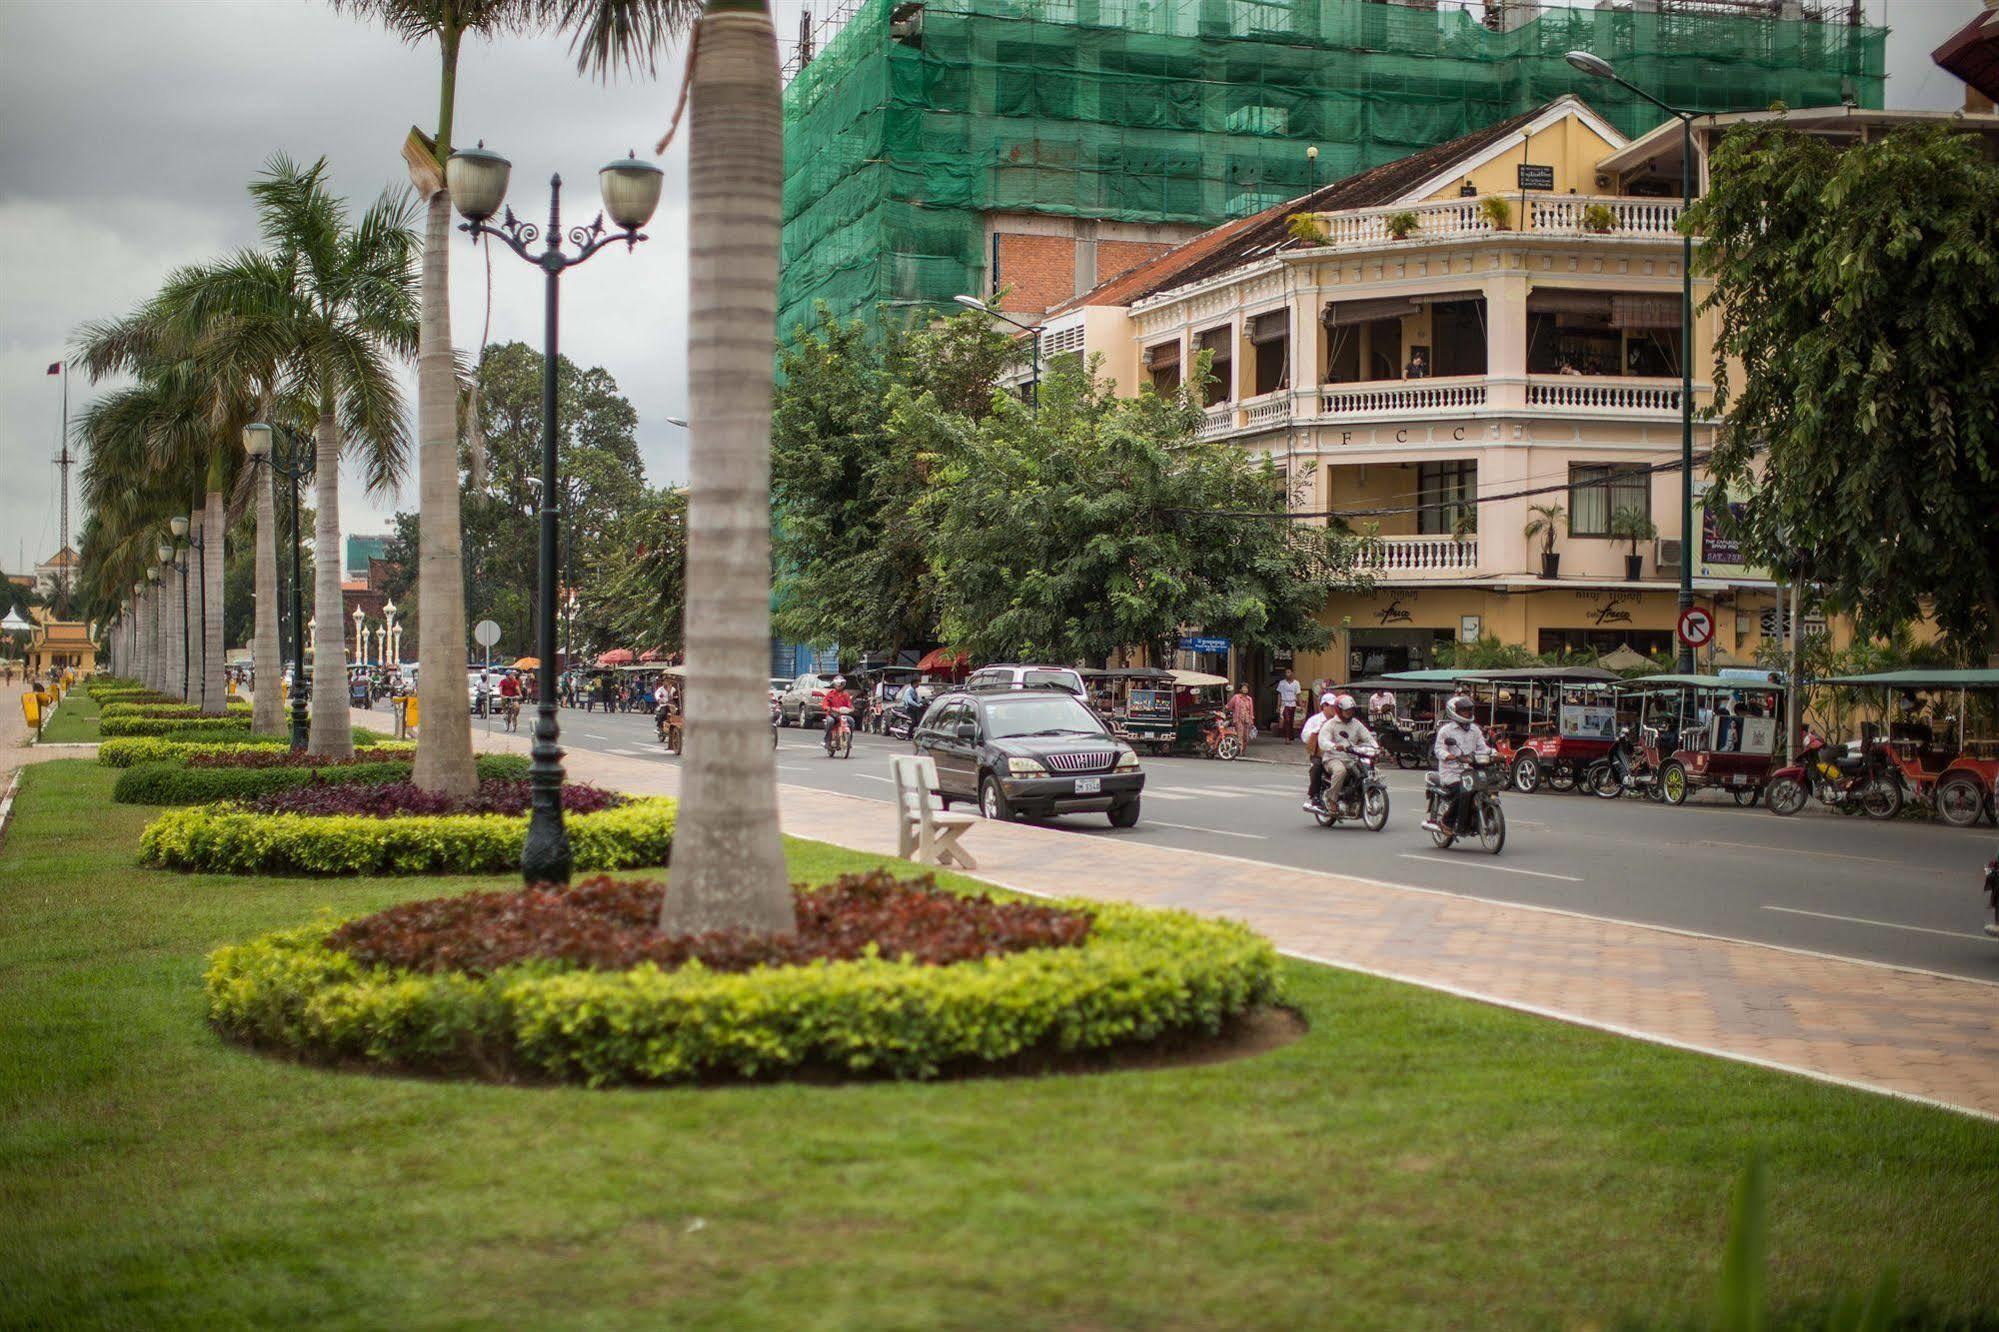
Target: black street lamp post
630,189
1597,67
1033,332
302,458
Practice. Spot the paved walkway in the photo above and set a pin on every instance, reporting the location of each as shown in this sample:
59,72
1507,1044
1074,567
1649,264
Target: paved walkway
1910,1033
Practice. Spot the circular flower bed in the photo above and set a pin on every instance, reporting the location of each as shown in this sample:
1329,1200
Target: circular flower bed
236,839
884,978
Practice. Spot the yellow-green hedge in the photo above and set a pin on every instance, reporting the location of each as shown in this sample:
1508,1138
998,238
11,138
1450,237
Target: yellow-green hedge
130,751
122,726
172,708
224,839
175,783
1141,975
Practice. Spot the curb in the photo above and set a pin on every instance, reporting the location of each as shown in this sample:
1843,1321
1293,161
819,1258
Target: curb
7,804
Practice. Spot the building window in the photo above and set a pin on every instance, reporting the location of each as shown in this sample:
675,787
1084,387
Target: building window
1597,490
1446,490
1220,387
1270,344
1162,362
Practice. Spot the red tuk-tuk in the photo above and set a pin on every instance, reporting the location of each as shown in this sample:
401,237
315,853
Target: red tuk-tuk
1935,756
1709,731
1547,723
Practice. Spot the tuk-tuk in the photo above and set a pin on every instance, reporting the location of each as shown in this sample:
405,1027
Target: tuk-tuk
1935,757
863,682
1708,731
1408,732
1546,723
672,727
1136,703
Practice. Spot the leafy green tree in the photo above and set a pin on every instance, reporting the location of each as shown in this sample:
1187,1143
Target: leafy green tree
635,594
1102,523
1858,290
856,446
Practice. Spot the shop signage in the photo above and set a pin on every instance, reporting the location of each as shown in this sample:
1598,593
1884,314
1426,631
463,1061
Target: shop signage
1393,613
1534,177
1717,546
1218,645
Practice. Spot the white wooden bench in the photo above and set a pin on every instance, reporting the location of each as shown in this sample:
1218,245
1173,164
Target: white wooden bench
925,831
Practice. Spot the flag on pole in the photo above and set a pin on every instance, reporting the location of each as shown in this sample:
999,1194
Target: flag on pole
55,367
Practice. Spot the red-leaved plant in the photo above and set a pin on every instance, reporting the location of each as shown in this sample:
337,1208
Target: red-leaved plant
383,800
606,924
277,756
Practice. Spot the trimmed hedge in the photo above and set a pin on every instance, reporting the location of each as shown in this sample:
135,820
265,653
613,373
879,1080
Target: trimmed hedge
223,839
177,710
1141,975
174,783
131,751
117,726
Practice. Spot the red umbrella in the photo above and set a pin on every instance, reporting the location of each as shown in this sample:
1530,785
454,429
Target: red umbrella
615,657
944,660
652,654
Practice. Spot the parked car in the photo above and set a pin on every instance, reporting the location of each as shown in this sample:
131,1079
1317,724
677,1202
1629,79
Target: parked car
778,684
1034,752
1026,677
799,703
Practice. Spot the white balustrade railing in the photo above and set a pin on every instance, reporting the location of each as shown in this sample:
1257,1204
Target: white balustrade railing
1596,393
1403,395
1419,554
1272,409
1451,219
1217,420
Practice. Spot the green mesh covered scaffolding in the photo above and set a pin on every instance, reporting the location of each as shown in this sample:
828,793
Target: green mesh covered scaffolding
916,120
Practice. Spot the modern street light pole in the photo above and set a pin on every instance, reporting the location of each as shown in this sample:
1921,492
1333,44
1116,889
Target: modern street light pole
630,190
1033,332
1597,67
303,457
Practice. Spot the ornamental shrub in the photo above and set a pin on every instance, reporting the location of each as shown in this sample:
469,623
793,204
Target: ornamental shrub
118,726
174,709
226,839
1139,976
182,782
399,799
130,751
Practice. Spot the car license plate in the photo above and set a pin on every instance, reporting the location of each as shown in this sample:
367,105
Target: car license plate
1089,785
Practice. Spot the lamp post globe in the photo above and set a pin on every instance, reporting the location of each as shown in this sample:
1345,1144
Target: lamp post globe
165,552
477,178
257,440
177,525
630,189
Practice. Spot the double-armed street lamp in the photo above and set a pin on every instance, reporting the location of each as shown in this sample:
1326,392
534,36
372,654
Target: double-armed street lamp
630,190
300,457
1597,67
1033,332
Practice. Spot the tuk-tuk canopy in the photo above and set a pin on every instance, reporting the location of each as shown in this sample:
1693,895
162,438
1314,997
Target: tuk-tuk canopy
1395,684
1918,679
1197,680
1127,673
1542,675
1718,682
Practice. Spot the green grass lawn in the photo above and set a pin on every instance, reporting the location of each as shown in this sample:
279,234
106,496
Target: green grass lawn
74,721
1415,1161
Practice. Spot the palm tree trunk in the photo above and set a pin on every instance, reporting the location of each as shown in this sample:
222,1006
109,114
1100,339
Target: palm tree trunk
728,861
142,636
332,732
150,660
444,732
267,712
176,628
214,697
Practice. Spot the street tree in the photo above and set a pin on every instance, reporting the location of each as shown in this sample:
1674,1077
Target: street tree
847,477
1857,371
1100,523
637,586
607,34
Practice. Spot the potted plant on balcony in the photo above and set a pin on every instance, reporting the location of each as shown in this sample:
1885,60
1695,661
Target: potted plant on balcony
1629,524
1496,211
1599,219
1305,228
1402,225
1542,524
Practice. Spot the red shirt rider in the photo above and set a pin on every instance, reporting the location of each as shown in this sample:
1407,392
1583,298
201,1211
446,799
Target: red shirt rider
510,686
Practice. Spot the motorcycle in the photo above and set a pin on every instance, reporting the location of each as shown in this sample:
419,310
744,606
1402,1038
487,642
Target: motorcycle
1479,814
1407,742
1626,767
899,723
1219,740
839,732
1364,797
1837,779
667,723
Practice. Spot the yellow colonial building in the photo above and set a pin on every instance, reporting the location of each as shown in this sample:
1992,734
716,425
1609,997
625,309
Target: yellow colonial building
1442,352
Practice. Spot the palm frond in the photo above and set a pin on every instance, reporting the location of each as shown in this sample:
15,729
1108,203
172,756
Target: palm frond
607,36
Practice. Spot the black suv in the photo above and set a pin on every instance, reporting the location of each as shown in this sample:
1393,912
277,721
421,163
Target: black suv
1031,752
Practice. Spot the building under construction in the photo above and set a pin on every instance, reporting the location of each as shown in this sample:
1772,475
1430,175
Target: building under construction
1038,147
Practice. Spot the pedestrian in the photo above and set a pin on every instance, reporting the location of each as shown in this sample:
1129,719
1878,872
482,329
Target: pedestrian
1242,714
1287,705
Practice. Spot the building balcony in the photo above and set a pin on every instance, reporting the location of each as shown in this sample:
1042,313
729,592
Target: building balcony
1597,397
1465,219
1396,558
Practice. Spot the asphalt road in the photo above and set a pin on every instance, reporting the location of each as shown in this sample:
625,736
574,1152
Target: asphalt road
1905,892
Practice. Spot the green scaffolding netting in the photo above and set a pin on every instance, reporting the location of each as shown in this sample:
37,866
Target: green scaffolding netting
918,119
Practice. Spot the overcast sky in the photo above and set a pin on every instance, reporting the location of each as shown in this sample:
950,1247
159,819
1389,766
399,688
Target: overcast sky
128,129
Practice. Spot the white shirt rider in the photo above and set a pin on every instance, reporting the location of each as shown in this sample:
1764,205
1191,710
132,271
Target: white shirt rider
1457,743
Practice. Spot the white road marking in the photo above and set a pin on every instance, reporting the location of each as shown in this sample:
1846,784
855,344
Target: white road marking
1159,793
1210,791
592,735
1828,855
791,767
1218,832
1884,924
870,777
1503,869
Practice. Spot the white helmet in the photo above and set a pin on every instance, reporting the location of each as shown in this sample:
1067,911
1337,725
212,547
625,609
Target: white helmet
839,682
1459,708
1345,703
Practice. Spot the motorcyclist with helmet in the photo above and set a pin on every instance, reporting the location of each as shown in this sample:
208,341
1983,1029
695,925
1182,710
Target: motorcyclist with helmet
1459,741
1338,734
838,704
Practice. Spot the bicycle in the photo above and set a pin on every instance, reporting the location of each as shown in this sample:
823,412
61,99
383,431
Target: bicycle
510,711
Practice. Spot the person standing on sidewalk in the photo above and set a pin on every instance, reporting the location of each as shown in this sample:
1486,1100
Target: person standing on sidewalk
1242,714
1287,705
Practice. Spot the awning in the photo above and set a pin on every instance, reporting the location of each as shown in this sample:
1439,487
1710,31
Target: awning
1918,679
1972,53
1339,313
1645,311
652,654
615,657
1561,300
1162,354
1270,327
943,659
528,664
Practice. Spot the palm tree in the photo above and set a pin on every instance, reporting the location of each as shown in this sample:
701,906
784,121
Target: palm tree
608,33
318,317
